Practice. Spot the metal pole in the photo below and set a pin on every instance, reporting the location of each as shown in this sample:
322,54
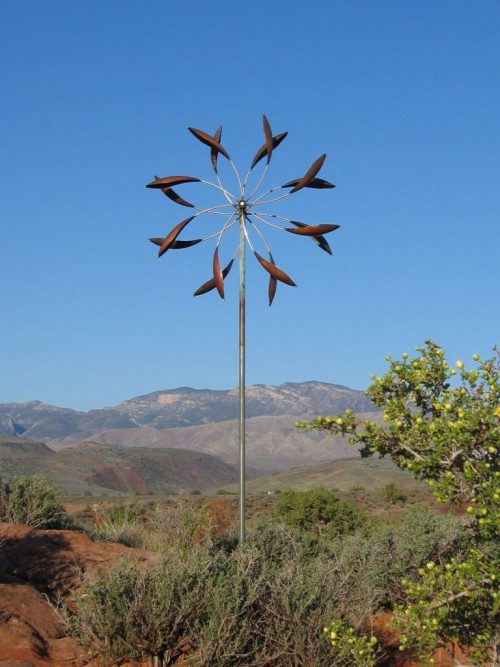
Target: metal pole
242,375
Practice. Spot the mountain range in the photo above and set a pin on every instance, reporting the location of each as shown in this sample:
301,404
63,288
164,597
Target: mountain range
198,420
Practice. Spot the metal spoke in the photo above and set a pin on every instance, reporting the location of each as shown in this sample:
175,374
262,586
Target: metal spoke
212,236
266,222
254,226
220,187
224,229
238,177
257,202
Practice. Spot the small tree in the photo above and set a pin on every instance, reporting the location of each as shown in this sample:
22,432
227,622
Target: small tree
443,425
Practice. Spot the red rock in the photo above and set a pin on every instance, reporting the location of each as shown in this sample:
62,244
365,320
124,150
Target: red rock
36,563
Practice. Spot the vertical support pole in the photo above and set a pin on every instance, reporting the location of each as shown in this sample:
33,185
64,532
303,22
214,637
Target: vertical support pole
242,376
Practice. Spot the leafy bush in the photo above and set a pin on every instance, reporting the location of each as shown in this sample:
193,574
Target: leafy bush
319,510
443,425
32,501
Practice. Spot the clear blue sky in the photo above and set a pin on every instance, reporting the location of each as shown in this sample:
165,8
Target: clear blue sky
404,97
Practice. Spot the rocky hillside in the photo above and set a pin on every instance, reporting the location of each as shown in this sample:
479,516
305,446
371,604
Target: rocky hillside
102,468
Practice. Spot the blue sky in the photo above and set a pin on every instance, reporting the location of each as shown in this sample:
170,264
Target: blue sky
404,97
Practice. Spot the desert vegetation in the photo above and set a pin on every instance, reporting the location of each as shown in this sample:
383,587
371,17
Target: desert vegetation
319,568
266,602
32,501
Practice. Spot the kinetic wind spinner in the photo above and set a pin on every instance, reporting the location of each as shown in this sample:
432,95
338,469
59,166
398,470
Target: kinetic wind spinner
248,210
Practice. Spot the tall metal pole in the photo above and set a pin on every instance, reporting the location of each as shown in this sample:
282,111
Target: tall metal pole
242,373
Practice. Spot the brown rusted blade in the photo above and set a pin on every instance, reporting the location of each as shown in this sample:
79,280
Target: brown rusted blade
263,150
172,236
210,284
172,194
176,245
319,240
209,141
317,183
274,271
170,181
269,137
310,174
312,230
218,278
213,152
273,283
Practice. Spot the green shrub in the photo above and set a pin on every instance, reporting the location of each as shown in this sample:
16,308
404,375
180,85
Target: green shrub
120,524
133,612
318,510
32,501
443,425
392,493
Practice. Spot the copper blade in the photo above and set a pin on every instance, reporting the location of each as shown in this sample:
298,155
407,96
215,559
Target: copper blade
210,284
170,181
318,240
177,245
312,230
209,141
263,149
310,174
219,280
273,283
274,271
213,152
172,194
317,183
172,236
269,137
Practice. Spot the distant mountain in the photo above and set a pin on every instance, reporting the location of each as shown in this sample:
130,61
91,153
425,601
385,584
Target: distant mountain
179,407
103,468
273,443
201,419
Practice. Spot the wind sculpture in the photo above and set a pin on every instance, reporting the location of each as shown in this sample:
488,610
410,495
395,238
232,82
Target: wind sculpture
246,210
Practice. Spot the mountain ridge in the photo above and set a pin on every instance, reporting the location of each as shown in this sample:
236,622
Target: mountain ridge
177,407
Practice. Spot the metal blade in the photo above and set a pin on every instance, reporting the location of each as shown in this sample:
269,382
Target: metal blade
317,183
318,240
172,194
210,284
172,236
310,174
219,280
273,283
170,181
208,141
213,152
312,230
269,138
176,245
263,150
274,271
